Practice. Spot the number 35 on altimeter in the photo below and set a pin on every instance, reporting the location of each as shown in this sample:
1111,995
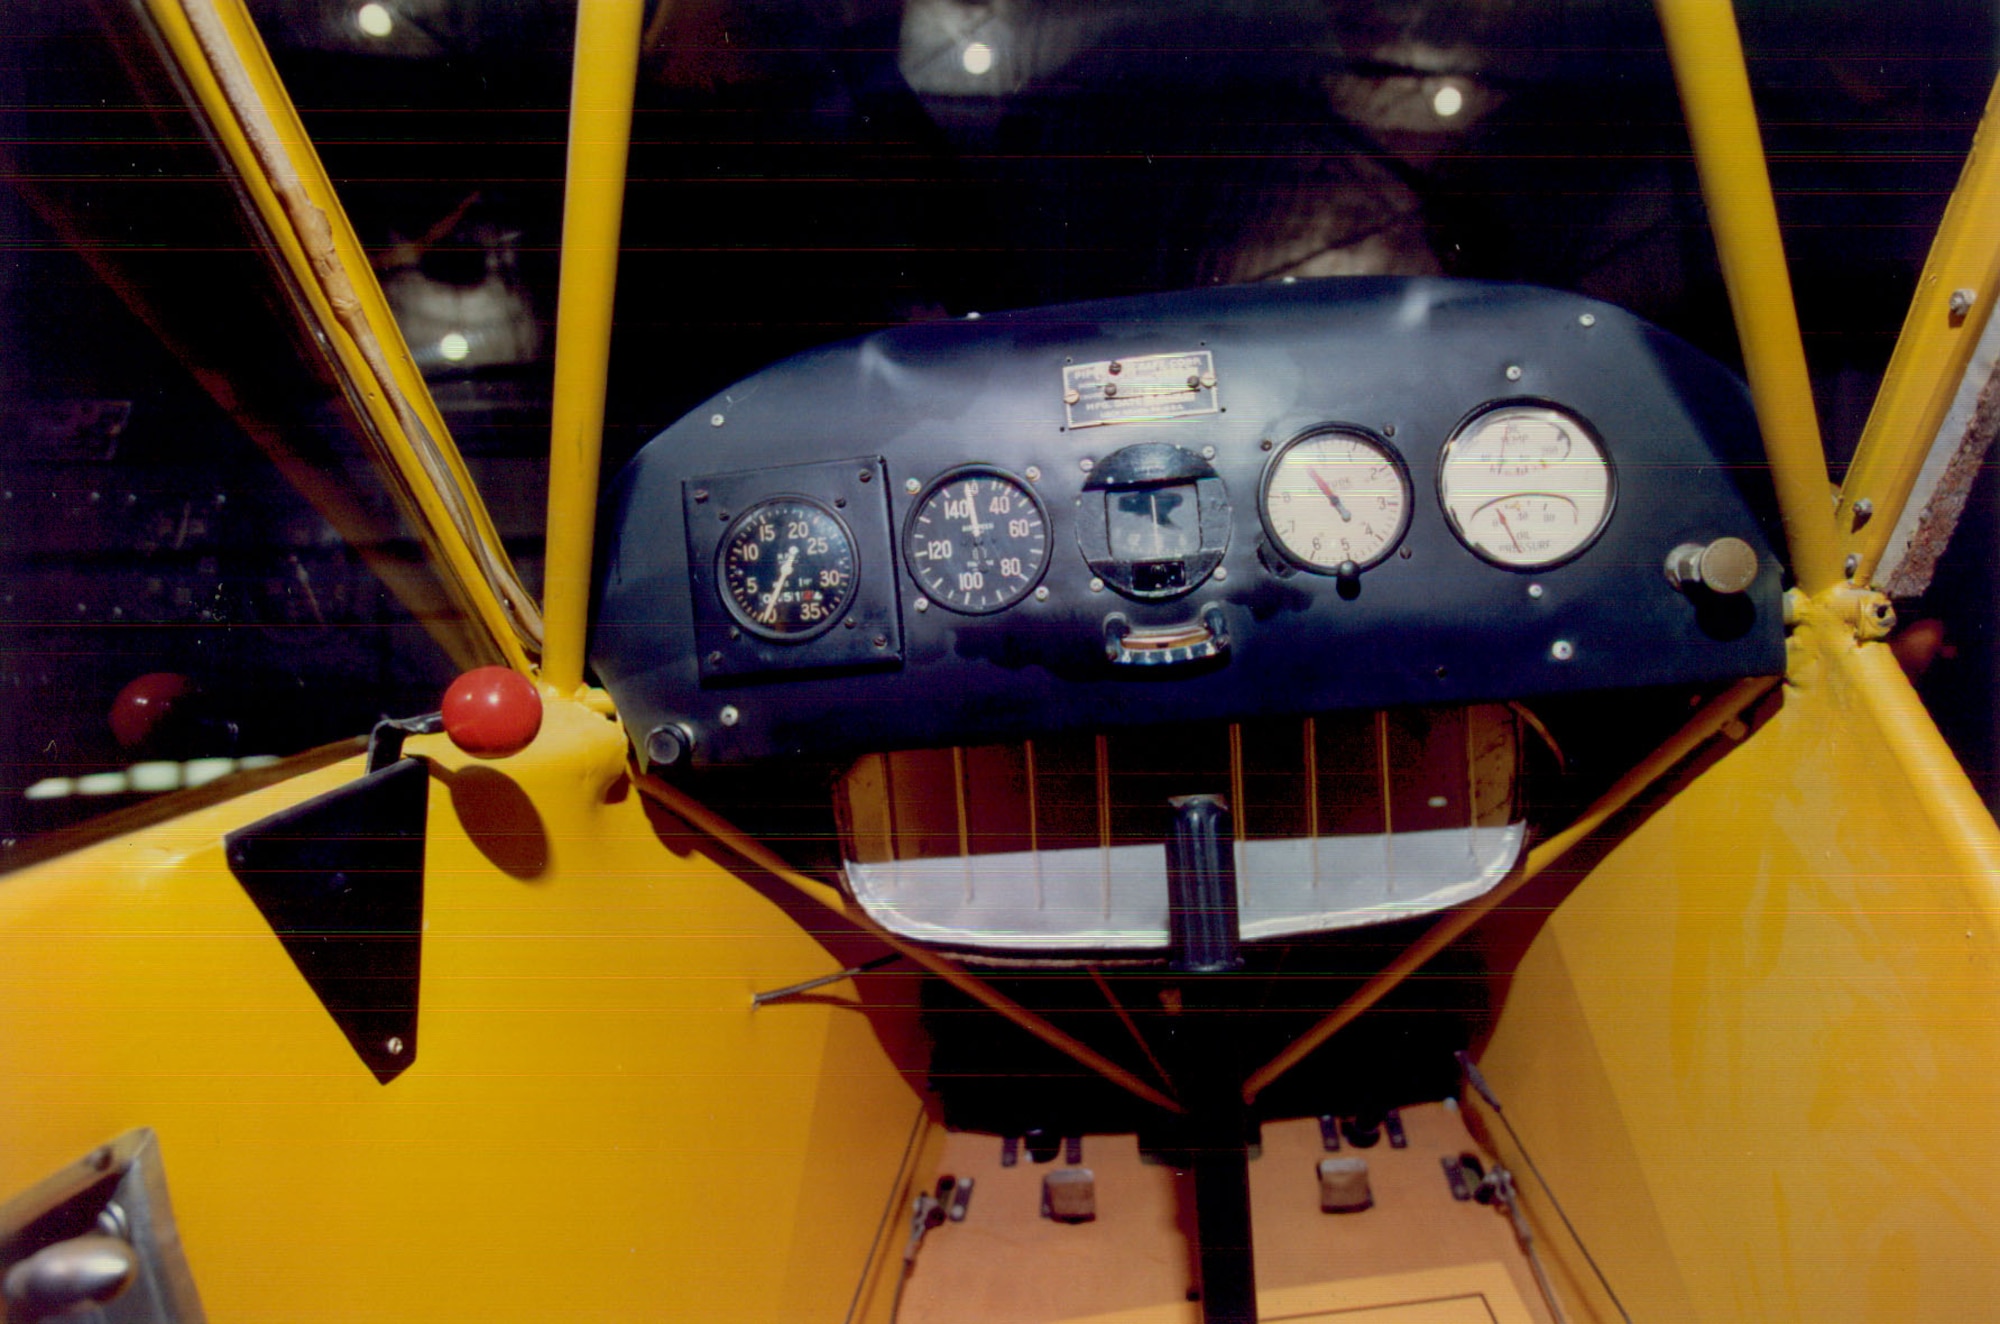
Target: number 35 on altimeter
786,568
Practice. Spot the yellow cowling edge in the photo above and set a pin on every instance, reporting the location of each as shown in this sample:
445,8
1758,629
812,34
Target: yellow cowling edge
1753,1051
597,1124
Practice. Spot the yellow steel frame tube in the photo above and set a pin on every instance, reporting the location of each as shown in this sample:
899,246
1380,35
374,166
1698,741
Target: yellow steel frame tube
216,46
600,133
1707,56
1931,353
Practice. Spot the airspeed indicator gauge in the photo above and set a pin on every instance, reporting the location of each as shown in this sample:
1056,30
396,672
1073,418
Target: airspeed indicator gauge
977,540
1525,485
1336,497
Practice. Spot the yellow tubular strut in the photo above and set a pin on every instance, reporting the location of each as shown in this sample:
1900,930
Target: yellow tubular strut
1938,337
1707,56
1718,713
600,133
216,46
707,821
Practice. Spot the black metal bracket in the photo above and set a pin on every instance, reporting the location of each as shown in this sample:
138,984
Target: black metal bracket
340,879
385,742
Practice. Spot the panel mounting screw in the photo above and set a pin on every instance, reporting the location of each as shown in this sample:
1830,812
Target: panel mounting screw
880,641
922,604
715,659
1042,593
1208,452
1864,510
1853,563
1960,304
1264,445
866,475
395,1046
1034,473
1513,372
1086,464
1072,396
1562,650
1096,585
1221,573
729,716
1587,319
700,495
715,420
1534,590
911,484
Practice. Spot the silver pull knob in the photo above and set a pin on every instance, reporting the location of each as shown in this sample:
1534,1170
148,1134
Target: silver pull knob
1727,565
80,1271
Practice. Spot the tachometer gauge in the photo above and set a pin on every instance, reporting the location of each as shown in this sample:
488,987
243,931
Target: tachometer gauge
786,567
977,540
1525,486
1336,497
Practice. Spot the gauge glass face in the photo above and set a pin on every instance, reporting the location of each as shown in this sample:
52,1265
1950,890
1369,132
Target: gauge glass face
786,567
1525,486
1336,497
977,541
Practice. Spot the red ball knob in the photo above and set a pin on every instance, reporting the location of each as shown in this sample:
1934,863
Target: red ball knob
491,712
145,703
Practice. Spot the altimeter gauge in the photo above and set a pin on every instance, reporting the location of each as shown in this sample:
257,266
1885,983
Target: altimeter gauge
786,569
1336,500
977,540
1525,485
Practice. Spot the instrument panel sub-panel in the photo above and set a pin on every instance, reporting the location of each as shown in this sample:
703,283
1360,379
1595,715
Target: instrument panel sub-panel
1162,594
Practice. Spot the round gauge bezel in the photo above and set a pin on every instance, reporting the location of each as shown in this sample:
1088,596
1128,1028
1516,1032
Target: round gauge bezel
1573,418
945,479
1358,433
735,609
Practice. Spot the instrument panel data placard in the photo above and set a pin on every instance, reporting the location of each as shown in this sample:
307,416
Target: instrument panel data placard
1146,389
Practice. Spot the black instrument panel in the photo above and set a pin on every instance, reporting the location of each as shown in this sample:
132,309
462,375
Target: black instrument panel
1252,500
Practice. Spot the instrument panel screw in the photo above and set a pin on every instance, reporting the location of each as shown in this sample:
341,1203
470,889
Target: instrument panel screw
1115,368
911,484
1864,510
729,716
1208,452
1264,445
700,495
1853,563
1034,473
922,604
1587,319
1096,585
395,1046
1562,650
1961,304
1534,590
715,659
1042,593
865,475
1072,396
1404,553
1513,372
1086,464
840,503
715,420
880,641
1221,573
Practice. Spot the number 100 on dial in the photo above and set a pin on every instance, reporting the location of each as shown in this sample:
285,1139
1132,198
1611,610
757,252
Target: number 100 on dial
977,540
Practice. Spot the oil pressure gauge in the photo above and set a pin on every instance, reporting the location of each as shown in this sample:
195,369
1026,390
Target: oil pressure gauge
1525,485
1336,500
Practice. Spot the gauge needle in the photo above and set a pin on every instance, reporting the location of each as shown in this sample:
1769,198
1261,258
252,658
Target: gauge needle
1501,515
1331,495
770,612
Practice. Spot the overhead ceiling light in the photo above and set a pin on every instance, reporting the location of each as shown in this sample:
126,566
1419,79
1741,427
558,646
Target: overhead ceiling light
977,58
375,20
454,346
1447,101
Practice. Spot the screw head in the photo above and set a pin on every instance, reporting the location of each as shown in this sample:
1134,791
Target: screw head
1096,584
880,641
1208,452
911,485
395,1046
865,476
715,420
1072,396
1042,593
922,604
1086,464
1535,591
1221,573
729,716
1034,473
1513,372
1562,650
1587,319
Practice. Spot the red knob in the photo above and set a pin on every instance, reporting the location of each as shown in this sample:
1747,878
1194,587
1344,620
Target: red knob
145,703
491,712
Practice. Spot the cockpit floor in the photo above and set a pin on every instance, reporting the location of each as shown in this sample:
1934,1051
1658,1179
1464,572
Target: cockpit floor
1418,1256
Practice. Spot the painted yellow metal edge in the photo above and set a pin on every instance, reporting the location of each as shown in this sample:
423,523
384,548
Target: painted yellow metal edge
598,1123
600,130
1746,1050
461,565
1707,57
1931,353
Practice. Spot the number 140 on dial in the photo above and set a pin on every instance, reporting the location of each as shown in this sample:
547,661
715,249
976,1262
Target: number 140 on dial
977,540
